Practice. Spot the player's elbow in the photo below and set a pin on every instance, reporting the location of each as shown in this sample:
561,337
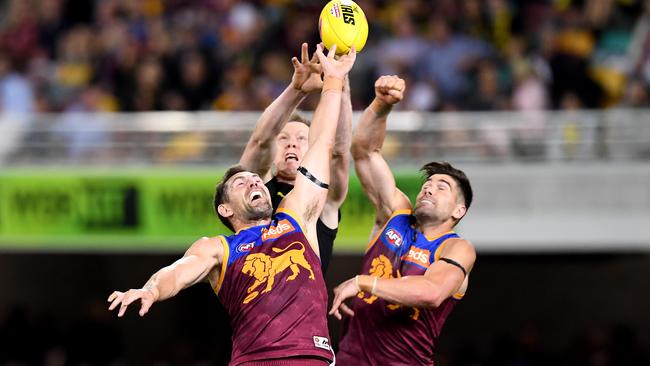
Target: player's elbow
431,298
359,150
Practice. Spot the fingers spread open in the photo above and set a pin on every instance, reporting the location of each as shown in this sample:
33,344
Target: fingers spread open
304,53
146,304
116,301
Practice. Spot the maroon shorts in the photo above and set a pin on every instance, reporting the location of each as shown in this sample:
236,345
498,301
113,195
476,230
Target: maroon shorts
292,361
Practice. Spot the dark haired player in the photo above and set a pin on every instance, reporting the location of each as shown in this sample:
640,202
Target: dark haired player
267,275
415,268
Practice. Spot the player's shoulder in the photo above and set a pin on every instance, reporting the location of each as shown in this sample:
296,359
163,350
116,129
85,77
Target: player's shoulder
459,245
208,244
401,214
207,247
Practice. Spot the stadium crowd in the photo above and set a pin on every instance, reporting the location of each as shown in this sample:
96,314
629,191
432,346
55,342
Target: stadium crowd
126,55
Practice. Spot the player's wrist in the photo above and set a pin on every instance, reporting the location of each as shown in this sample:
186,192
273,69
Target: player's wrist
296,91
153,291
379,107
365,282
332,83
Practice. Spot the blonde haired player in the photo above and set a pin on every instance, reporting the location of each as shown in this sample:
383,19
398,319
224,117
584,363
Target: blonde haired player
277,311
279,142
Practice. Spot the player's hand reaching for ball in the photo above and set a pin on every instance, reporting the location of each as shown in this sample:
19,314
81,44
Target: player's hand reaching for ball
146,297
335,68
389,89
306,72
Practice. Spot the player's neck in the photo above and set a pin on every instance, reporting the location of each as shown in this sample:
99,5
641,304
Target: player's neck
435,229
242,225
285,178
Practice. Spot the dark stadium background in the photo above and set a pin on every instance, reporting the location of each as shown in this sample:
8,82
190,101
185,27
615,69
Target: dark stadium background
524,307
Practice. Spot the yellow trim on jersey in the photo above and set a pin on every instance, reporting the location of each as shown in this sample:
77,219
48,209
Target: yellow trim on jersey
248,227
436,254
439,236
224,263
458,296
294,216
397,212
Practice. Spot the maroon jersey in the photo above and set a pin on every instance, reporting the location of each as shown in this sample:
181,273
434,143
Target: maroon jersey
273,290
385,334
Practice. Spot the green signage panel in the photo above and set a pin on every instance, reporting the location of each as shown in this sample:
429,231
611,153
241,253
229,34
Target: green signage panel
137,210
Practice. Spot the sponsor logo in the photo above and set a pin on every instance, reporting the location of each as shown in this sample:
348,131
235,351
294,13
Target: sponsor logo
283,227
348,14
393,237
418,256
322,342
334,10
245,247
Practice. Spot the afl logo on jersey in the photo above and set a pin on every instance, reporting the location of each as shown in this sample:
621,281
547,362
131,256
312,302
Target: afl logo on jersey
245,247
393,237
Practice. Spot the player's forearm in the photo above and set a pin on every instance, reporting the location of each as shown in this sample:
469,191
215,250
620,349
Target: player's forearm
323,127
340,165
163,284
343,138
268,126
339,176
416,291
276,115
183,273
371,131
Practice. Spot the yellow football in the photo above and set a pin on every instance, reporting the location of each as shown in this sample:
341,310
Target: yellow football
342,22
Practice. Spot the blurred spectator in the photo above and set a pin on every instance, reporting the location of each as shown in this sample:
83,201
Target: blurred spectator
448,59
16,95
181,54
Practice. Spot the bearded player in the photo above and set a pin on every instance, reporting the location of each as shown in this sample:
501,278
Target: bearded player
276,148
416,268
267,275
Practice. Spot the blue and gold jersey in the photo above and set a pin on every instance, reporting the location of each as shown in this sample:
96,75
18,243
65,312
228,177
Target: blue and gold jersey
273,290
382,333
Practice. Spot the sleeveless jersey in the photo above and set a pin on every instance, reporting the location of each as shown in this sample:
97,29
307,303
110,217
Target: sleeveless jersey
272,287
326,236
385,334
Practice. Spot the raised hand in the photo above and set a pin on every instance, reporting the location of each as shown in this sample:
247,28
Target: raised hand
335,68
306,72
390,89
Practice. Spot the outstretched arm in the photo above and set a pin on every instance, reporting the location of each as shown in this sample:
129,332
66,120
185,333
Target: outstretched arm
308,198
441,281
201,262
374,174
260,149
340,165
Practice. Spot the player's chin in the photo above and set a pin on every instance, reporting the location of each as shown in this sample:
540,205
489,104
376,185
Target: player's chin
260,211
423,213
289,169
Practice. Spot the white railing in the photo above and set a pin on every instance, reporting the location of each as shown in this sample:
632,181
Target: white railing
204,138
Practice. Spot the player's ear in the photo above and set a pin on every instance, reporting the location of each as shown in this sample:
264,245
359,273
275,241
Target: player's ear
225,210
459,211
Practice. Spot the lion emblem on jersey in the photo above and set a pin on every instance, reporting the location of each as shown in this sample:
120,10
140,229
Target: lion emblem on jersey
379,267
264,268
